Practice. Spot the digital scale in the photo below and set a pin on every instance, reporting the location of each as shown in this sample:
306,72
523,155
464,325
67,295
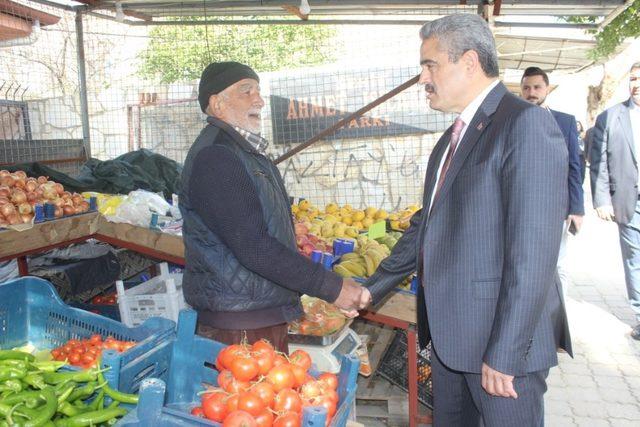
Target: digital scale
327,351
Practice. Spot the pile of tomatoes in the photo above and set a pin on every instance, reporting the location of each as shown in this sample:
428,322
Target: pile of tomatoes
258,387
84,353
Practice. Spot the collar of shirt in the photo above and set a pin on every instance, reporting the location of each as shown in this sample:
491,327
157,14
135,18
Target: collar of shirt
471,109
259,143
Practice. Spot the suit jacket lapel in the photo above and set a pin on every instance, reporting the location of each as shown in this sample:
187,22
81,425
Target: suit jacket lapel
475,129
625,124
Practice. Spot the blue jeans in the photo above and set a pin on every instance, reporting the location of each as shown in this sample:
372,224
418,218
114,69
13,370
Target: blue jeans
630,245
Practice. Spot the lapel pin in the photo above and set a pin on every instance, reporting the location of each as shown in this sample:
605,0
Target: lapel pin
480,126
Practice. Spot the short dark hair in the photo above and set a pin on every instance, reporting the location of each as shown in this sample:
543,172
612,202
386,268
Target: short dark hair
535,71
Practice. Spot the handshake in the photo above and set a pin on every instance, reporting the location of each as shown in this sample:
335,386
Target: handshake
353,297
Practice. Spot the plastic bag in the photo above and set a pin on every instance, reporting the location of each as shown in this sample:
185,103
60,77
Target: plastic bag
138,207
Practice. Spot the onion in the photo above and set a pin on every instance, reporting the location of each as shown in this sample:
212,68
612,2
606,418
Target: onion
26,218
42,179
59,188
31,185
20,174
18,196
31,197
66,195
77,199
3,200
68,210
20,183
49,193
58,202
7,180
85,206
4,191
4,172
7,209
57,212
14,218
24,208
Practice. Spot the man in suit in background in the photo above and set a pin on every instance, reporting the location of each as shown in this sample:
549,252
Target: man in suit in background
615,150
487,238
534,87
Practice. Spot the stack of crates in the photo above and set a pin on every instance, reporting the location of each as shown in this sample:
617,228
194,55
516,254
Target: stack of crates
160,296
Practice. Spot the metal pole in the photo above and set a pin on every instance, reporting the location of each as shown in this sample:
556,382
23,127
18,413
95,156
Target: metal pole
82,77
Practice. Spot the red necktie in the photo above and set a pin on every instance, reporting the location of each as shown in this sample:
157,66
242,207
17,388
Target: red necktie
458,125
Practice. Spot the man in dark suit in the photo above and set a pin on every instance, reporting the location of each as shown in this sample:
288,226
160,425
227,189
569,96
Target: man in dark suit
534,87
615,150
486,240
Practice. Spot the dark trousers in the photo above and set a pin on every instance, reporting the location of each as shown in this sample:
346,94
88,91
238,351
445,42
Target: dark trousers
277,335
460,401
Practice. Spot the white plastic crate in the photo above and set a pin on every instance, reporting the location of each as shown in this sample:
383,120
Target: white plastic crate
160,296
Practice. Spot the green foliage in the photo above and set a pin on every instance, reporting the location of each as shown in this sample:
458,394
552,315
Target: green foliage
181,52
627,24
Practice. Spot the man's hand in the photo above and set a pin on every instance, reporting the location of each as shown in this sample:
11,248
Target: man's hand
577,220
496,383
605,213
352,297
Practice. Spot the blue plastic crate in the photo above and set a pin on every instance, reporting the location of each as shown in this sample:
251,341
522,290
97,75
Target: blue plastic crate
192,364
31,312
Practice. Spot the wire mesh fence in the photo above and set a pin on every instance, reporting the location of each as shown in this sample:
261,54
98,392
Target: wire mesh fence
141,90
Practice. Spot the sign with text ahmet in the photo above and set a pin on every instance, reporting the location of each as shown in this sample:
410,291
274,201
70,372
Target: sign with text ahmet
305,105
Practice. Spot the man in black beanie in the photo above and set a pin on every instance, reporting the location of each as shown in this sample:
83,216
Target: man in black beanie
243,273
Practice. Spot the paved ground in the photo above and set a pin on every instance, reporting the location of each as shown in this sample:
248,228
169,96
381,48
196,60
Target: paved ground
601,385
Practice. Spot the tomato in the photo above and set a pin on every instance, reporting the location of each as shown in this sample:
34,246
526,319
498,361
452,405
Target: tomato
231,352
287,400
280,360
250,403
327,403
288,419
197,412
236,386
224,378
332,395
74,358
331,380
244,368
97,300
264,390
111,345
263,347
281,377
232,403
239,419
55,353
299,374
88,359
265,362
264,418
300,358
214,407
311,389
95,339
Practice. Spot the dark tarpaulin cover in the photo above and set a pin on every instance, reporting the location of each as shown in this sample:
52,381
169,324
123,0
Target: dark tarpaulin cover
137,170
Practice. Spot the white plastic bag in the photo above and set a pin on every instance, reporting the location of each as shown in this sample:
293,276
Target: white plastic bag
138,207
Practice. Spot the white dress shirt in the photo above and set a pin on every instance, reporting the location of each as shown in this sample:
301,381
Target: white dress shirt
634,116
466,116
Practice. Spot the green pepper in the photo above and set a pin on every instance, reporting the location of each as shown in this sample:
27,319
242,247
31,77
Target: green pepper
34,380
11,373
66,393
46,411
92,418
118,395
83,392
11,385
69,410
19,364
14,354
78,376
48,366
98,403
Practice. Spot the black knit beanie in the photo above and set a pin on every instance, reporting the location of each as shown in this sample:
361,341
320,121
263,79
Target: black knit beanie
220,75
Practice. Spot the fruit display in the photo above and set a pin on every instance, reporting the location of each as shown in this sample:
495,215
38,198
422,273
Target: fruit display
258,386
41,393
336,221
308,242
364,261
84,353
19,195
320,318
400,220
